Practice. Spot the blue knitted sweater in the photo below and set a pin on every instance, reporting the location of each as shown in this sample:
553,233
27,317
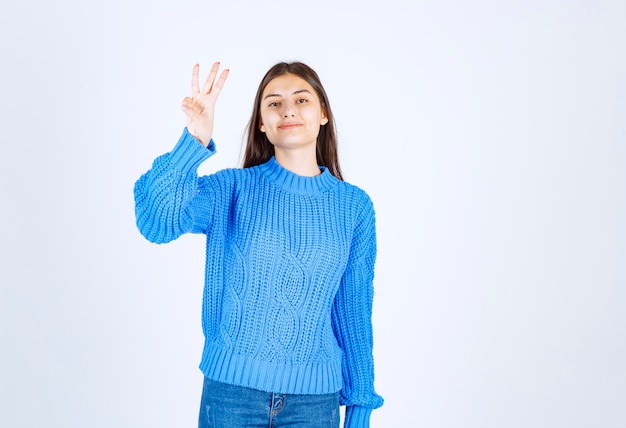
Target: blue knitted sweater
289,269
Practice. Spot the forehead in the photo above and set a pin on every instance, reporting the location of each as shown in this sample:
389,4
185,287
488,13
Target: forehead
287,84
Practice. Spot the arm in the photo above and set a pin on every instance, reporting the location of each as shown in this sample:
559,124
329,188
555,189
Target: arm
352,323
164,195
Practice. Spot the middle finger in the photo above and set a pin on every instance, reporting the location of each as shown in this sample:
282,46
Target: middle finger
208,84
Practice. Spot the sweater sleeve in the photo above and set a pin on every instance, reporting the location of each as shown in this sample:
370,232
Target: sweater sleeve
166,195
352,323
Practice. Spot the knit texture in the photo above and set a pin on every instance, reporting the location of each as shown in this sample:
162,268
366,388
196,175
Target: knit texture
289,269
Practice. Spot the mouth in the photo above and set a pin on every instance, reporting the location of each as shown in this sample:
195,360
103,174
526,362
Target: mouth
287,126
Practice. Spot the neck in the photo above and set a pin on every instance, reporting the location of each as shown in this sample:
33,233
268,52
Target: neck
302,162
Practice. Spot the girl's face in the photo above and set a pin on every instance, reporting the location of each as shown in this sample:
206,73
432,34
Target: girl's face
291,113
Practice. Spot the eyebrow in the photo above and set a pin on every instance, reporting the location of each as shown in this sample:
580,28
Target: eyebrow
295,93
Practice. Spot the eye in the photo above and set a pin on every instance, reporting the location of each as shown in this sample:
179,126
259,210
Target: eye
273,104
302,101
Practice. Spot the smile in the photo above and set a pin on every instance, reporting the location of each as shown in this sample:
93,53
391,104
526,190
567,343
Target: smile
288,126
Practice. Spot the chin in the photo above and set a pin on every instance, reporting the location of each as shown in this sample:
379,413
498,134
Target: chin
291,144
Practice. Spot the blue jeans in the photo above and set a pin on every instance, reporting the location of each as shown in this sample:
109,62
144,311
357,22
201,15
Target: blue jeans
229,406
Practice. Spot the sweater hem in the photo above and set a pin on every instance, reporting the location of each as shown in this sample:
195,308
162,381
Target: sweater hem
285,378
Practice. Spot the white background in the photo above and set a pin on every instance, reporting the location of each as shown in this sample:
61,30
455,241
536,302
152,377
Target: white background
490,135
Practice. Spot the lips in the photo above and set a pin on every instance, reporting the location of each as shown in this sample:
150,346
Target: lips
287,126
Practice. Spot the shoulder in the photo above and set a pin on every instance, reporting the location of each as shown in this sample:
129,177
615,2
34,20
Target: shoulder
227,175
357,205
356,194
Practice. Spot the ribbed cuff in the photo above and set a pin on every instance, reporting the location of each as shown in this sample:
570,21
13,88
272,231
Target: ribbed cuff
357,417
189,153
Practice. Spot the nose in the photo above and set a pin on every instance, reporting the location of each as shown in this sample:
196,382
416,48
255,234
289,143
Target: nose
289,111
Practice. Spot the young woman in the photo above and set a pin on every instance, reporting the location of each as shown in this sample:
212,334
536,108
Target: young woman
290,257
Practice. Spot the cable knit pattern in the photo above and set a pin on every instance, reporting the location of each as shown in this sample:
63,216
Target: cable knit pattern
289,269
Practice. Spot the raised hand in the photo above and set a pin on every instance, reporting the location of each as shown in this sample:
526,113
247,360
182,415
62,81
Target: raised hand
200,107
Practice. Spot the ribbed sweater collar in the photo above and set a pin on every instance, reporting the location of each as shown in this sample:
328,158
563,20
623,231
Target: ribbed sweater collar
294,183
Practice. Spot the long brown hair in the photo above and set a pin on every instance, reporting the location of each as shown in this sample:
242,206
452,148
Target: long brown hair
259,149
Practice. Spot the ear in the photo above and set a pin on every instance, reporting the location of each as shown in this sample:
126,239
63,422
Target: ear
324,118
261,127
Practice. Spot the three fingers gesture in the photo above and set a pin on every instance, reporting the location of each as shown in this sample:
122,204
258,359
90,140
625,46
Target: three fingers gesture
200,106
